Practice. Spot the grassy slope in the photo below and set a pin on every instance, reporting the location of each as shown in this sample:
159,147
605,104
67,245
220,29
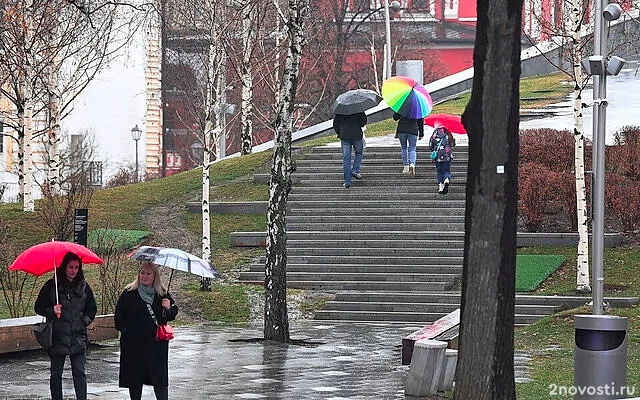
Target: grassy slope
231,181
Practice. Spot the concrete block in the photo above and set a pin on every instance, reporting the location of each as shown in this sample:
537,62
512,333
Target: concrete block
449,371
426,364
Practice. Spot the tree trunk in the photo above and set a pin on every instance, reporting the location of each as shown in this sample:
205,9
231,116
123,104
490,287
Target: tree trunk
276,320
485,364
248,40
53,167
582,278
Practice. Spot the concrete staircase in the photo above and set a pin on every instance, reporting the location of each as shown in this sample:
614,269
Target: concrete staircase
389,249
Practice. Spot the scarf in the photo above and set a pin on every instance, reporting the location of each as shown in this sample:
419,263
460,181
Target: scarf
147,293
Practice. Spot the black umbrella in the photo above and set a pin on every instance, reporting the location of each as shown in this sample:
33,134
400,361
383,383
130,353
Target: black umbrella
355,101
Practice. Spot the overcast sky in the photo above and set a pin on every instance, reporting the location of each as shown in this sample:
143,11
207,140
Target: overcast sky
110,106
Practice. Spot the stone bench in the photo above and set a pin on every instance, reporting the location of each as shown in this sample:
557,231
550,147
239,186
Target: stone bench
16,333
444,329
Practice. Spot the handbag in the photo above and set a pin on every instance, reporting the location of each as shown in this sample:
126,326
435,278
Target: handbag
164,332
434,153
43,331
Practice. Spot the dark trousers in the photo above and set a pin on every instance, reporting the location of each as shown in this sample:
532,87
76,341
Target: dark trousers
162,393
77,372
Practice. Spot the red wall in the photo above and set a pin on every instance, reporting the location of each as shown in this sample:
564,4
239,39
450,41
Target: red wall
456,60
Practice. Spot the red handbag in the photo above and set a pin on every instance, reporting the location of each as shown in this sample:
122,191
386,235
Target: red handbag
164,332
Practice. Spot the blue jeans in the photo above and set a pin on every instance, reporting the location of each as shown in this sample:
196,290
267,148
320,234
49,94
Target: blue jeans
443,170
408,142
346,157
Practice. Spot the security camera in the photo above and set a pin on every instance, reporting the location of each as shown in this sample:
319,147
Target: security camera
395,6
612,12
604,103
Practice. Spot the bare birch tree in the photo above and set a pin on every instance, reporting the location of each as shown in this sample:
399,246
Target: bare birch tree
276,320
572,29
197,65
52,52
485,367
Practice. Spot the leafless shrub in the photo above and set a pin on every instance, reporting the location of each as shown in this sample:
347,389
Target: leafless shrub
18,288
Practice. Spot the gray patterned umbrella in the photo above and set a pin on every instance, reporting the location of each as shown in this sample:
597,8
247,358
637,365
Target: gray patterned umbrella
355,101
175,259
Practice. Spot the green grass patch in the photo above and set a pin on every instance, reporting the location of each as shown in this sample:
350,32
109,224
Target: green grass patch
532,270
115,239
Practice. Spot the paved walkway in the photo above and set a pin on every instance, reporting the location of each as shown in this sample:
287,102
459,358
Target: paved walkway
351,361
348,362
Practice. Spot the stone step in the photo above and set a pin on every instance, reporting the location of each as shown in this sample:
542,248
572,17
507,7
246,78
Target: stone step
371,268
376,243
419,217
355,277
392,162
449,203
428,307
390,210
425,194
422,144
390,226
367,260
454,298
366,285
448,237
368,251
413,317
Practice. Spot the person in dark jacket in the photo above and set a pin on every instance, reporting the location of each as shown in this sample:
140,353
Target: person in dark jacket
349,130
70,316
441,142
408,132
143,360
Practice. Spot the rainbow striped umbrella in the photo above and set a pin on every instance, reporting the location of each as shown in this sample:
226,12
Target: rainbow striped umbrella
407,97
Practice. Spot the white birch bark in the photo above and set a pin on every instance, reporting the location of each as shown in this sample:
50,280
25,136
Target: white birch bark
246,77
206,224
207,145
582,278
28,203
27,186
53,167
276,321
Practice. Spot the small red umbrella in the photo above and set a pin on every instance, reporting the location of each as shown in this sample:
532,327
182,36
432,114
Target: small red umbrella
452,122
46,257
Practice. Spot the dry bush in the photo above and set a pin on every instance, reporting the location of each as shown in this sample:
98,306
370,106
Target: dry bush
623,198
18,288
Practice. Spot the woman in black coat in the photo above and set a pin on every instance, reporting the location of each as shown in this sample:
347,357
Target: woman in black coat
70,316
143,360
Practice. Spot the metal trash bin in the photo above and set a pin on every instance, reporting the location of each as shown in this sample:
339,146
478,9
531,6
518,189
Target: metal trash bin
600,357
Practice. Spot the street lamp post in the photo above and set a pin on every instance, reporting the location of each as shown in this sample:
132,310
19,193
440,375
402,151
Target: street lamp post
136,133
600,349
395,6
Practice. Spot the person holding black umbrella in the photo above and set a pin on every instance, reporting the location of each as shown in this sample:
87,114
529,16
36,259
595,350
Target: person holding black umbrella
349,129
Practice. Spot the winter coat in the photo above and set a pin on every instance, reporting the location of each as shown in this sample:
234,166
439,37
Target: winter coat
349,127
143,360
408,125
78,311
441,141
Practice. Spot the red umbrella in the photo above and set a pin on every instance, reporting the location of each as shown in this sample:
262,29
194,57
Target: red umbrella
46,257
452,122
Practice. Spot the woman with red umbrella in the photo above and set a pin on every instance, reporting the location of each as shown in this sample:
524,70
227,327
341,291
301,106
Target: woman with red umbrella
71,306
